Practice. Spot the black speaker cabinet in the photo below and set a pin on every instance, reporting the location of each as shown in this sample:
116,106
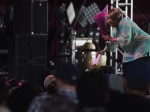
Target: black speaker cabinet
30,16
28,58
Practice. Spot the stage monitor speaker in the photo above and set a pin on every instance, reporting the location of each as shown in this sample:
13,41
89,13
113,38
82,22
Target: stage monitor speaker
30,17
28,58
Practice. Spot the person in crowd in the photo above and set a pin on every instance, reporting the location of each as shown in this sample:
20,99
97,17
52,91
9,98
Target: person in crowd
92,91
55,103
136,82
67,76
50,84
21,97
134,42
65,98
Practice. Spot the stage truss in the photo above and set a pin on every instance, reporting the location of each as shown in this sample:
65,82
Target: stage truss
126,6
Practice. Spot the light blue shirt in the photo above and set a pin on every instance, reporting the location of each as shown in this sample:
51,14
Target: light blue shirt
133,40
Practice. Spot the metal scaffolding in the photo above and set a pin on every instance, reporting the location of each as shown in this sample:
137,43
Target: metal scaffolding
124,6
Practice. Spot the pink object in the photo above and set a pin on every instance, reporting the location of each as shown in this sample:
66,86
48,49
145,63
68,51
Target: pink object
101,20
96,60
112,39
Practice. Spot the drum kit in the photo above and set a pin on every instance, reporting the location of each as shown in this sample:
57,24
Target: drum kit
86,55
82,54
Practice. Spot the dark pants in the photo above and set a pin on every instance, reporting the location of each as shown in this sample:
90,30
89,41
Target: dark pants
147,59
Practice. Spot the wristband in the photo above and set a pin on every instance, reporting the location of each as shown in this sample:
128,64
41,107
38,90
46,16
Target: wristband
112,39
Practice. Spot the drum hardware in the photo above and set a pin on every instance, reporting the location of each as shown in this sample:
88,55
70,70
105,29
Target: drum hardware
102,60
85,60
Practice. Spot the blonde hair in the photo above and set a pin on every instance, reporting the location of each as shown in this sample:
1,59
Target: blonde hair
115,14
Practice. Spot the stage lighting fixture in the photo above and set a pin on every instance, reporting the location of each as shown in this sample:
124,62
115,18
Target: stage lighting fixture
90,12
96,39
62,36
82,33
90,32
65,14
70,13
82,20
60,14
97,35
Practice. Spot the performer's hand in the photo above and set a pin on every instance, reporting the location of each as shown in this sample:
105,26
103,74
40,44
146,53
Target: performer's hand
107,38
100,52
94,67
103,36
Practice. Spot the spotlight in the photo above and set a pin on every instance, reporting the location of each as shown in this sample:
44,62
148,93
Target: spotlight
82,33
62,36
90,12
70,13
65,14
96,39
81,18
60,14
91,32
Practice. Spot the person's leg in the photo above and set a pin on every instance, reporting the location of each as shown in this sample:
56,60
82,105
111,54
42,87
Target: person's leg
125,65
124,68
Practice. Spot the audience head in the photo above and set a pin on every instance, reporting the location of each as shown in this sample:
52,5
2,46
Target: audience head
50,84
67,73
137,75
21,97
57,103
92,89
